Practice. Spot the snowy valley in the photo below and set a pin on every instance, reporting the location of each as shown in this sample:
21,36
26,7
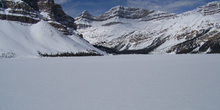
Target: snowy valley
33,29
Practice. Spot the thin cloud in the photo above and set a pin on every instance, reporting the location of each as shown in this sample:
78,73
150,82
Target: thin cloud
94,7
92,3
168,5
61,1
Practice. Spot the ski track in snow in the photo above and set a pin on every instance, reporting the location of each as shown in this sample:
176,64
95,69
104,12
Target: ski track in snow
132,82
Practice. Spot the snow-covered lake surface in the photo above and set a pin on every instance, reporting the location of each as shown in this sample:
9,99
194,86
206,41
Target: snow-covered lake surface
133,82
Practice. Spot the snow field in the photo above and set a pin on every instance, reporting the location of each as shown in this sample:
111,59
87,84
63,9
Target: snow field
133,82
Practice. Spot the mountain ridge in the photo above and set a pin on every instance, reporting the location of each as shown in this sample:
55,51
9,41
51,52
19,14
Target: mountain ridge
122,12
201,9
156,33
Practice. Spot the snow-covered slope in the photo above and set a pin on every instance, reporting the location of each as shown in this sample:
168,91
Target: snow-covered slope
22,40
147,31
39,28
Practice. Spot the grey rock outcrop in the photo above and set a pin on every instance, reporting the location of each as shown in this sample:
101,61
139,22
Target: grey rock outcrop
32,11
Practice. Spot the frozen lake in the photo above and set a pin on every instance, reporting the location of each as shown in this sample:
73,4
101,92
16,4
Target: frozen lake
133,82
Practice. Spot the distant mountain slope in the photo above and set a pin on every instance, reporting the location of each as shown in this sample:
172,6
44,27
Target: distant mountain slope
39,27
132,30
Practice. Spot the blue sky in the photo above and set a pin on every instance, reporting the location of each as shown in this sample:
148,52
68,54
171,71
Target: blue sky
97,7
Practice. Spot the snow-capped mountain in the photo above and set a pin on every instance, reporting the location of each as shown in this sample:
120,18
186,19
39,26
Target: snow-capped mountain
133,30
38,27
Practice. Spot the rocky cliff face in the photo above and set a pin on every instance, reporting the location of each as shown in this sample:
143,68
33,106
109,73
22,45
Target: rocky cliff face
127,13
32,11
18,11
132,30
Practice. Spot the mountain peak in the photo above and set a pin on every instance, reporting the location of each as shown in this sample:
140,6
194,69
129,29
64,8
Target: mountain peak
118,11
210,8
85,14
125,12
122,8
214,2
